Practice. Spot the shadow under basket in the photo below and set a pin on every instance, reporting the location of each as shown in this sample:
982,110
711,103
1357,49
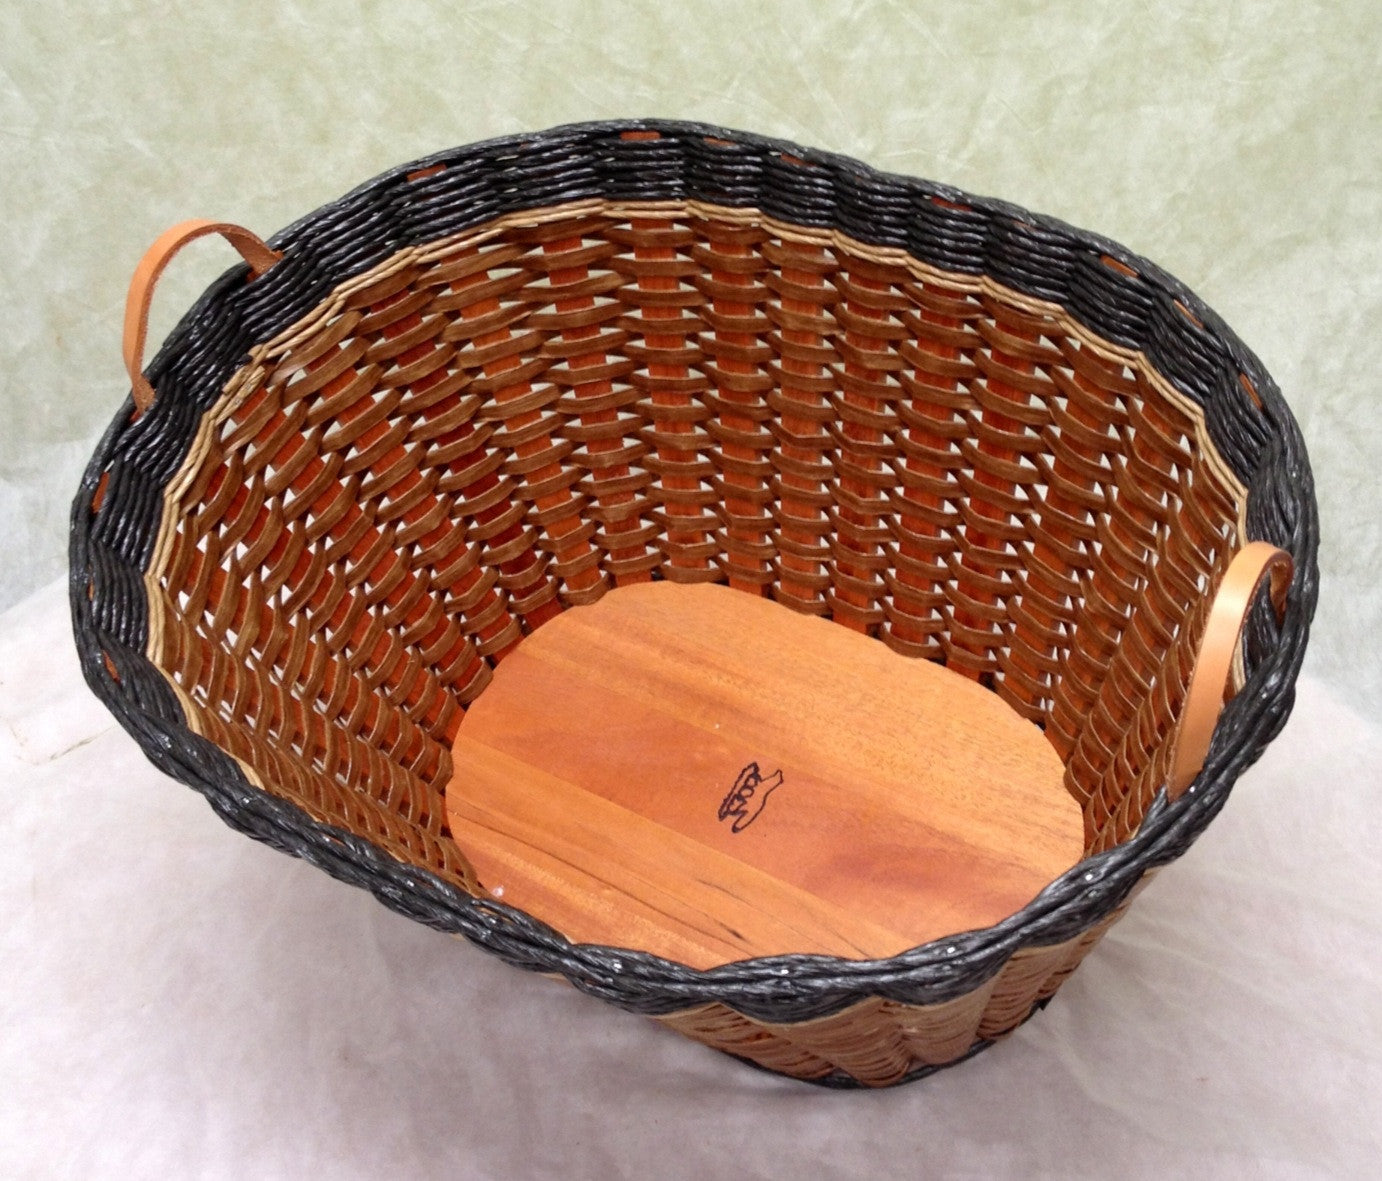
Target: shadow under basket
481,392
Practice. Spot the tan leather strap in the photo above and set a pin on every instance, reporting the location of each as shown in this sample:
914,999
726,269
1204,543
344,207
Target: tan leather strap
1204,700
252,249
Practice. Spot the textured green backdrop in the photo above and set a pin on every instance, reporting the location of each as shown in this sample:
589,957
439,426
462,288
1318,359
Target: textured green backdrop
1237,144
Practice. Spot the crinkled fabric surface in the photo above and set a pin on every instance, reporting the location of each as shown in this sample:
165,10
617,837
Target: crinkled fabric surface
178,1000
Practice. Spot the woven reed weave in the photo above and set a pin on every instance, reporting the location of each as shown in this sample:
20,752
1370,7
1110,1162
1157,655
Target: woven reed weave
494,384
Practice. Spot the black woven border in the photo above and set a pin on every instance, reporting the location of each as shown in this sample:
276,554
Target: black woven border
1030,253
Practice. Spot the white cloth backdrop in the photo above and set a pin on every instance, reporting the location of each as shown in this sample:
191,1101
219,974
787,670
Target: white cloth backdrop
176,1000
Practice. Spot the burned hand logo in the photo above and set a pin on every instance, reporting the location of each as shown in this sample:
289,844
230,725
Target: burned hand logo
746,798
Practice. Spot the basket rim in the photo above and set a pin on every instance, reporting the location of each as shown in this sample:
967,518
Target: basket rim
1262,444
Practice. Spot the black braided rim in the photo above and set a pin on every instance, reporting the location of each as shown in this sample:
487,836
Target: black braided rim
1033,254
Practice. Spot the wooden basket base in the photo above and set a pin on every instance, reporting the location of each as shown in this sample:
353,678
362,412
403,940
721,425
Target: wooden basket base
707,775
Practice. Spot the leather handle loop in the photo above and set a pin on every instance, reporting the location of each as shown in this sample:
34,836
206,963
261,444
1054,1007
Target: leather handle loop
1204,699
141,293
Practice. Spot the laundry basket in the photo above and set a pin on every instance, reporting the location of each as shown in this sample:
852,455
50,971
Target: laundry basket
487,387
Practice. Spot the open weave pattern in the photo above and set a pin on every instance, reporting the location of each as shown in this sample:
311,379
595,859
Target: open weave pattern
447,432
469,438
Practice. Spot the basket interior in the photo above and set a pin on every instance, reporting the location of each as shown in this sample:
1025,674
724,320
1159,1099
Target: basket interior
476,435
710,777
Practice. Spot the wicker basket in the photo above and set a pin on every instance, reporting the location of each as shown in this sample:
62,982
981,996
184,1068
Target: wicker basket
493,384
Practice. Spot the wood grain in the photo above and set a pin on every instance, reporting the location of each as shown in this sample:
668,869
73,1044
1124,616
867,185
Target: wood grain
897,802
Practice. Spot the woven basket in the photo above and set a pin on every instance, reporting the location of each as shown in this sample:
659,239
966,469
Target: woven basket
493,384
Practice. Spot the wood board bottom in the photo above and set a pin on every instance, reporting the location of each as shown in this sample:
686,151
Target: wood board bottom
707,775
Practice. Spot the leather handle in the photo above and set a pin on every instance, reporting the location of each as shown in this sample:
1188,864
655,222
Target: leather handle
1204,699
252,249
